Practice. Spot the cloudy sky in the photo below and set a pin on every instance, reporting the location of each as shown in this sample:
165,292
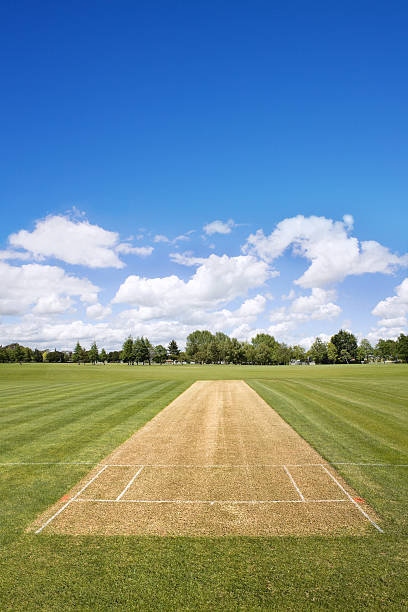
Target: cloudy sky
237,168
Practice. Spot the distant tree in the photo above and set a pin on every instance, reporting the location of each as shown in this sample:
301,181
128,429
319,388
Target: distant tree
28,354
103,356
55,357
331,352
365,350
113,357
196,345
173,350
93,354
160,354
128,355
182,358
149,350
298,353
37,356
77,354
4,358
346,346
402,347
19,353
386,350
318,351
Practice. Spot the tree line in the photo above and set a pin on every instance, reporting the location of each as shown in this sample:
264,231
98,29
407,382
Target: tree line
206,348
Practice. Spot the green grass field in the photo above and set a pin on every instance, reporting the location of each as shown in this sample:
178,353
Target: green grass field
67,413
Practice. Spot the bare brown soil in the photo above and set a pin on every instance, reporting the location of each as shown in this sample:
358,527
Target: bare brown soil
213,464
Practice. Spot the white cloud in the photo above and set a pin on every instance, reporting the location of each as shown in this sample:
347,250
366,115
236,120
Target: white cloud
46,287
393,312
395,306
8,254
219,227
327,244
161,238
217,280
52,304
186,259
97,311
128,249
317,305
181,238
75,242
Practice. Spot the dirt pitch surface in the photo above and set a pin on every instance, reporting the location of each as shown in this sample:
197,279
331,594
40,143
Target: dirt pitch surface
217,461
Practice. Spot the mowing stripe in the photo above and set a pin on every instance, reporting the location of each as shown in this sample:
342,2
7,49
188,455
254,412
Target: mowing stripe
70,500
352,500
294,483
129,484
215,501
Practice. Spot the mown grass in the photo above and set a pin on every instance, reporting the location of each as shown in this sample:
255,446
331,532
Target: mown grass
59,413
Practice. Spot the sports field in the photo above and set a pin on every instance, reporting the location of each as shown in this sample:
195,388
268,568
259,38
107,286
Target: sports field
288,490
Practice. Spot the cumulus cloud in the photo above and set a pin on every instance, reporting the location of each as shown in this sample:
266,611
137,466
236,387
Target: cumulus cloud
97,311
219,227
48,288
9,255
72,241
333,253
128,249
186,259
393,311
216,281
316,306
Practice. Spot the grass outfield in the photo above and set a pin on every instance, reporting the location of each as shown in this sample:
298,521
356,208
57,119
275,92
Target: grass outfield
66,413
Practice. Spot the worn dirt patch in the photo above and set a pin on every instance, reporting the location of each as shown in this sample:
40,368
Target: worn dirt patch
217,461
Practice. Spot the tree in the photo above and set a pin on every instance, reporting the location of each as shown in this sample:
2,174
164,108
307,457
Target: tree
196,345
346,346
3,355
127,354
298,353
140,350
77,355
331,352
55,357
93,353
318,351
103,356
365,350
37,356
114,357
402,347
173,350
160,354
386,350
19,353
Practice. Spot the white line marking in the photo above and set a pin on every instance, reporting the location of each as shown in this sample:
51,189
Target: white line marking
129,484
294,483
352,500
70,501
198,501
51,463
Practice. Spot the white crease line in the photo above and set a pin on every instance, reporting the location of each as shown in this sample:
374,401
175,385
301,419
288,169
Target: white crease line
70,500
294,483
129,484
352,500
51,463
211,502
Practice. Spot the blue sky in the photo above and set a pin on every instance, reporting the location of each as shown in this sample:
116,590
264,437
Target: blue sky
159,118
